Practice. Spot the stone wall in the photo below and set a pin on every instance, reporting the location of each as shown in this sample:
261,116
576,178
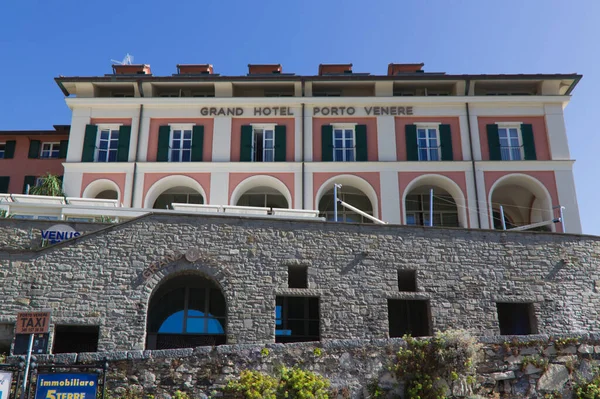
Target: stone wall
98,279
508,367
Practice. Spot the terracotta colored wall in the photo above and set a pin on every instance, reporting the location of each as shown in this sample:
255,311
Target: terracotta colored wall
202,178
372,151
540,134
547,178
405,178
371,177
20,165
155,123
118,178
286,178
236,135
401,123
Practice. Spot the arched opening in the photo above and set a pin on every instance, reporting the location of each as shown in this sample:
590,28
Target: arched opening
350,195
108,194
178,195
186,311
263,197
417,204
524,201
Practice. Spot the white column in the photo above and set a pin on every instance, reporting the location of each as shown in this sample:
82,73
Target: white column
557,132
308,134
386,138
126,197
221,151
471,200
297,190
390,197
298,134
567,197
72,180
139,190
142,156
475,136
135,121
484,206
219,188
308,191
81,118
463,122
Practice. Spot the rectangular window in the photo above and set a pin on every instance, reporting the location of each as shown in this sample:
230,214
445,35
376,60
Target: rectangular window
2,150
50,150
75,339
516,318
428,140
180,144
107,143
409,317
445,211
297,277
344,140
511,144
263,143
407,280
296,319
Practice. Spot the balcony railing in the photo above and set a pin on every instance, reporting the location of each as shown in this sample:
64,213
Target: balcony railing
511,153
430,153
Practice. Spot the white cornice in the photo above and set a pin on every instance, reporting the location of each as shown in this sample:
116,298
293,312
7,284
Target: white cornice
99,167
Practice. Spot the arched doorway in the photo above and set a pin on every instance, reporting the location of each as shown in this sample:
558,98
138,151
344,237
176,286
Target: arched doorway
108,194
350,195
102,189
186,311
417,204
178,195
524,201
263,197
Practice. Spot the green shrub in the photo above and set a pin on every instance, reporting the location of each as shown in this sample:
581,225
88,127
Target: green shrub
590,390
254,385
301,384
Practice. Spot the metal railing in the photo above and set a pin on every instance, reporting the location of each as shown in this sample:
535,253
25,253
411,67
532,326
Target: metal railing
511,153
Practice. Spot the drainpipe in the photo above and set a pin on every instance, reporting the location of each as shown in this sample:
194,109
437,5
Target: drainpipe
137,146
302,145
467,87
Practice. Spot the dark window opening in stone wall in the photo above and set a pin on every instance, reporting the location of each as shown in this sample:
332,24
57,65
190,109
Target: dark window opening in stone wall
409,317
407,280
75,339
516,318
296,319
6,337
298,277
185,312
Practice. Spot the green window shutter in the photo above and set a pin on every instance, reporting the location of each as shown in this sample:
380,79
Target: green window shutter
62,152
164,136
327,143
4,180
412,147
362,154
197,143
29,180
123,144
34,149
246,144
280,143
9,150
89,143
493,142
528,142
446,143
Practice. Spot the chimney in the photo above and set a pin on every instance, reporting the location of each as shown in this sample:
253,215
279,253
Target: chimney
195,69
395,69
138,69
334,69
264,69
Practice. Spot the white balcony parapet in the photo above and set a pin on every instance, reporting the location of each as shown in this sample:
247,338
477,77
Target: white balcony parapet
93,202
202,208
37,199
246,210
305,213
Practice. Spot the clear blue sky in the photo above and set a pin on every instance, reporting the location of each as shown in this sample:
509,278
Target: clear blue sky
42,39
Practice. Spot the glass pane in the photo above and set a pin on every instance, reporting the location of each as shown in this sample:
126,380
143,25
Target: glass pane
339,155
174,155
196,326
173,324
338,143
103,145
338,133
278,315
104,135
349,133
268,134
422,143
187,134
434,154
413,203
423,154
114,144
350,155
432,133
513,132
112,156
114,135
268,143
187,144
176,144
421,133
101,156
216,326
516,153
186,156
268,156
502,133
349,143
176,134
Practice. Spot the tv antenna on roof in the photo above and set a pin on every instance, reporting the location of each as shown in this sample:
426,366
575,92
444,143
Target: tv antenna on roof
128,60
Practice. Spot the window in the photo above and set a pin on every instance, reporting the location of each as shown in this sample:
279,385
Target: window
445,212
75,339
50,150
6,337
428,140
511,146
296,319
297,277
516,318
263,143
180,144
407,280
408,317
343,144
107,143
2,150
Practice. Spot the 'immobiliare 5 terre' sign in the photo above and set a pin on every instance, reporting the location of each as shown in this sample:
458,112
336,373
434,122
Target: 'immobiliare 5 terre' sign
67,386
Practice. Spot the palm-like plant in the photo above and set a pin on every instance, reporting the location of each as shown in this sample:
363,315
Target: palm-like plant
51,185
